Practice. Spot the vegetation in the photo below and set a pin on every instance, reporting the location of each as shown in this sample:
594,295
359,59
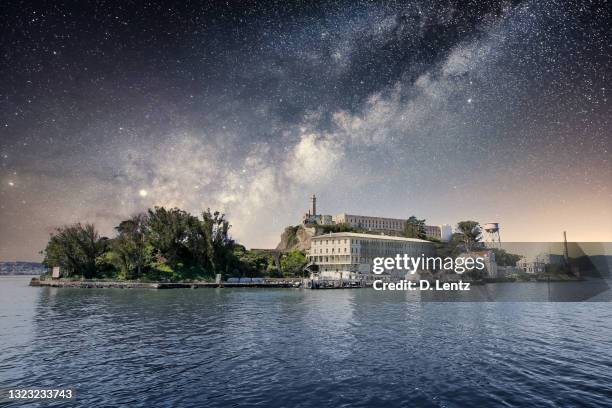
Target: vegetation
469,233
78,249
326,229
163,245
505,258
293,263
415,228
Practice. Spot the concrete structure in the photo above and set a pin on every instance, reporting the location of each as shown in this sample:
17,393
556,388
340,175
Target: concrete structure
311,217
393,226
531,267
384,224
433,231
348,255
537,264
446,232
371,223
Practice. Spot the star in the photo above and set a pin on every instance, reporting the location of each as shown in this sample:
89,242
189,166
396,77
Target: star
143,192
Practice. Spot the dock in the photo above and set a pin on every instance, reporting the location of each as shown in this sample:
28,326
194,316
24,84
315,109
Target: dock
104,284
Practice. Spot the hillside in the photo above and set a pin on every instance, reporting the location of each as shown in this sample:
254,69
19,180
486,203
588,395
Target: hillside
296,237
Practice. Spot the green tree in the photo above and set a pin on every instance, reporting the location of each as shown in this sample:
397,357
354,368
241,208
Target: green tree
326,229
130,246
293,262
168,232
505,258
163,244
469,233
76,249
219,242
415,228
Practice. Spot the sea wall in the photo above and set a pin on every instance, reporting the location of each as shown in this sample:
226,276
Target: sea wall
95,284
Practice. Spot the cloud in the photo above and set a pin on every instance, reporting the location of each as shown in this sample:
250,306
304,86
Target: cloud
313,159
263,186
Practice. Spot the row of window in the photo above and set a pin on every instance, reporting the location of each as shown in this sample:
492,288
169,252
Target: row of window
339,258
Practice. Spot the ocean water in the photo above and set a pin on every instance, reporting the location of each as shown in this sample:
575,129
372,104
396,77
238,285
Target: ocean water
301,348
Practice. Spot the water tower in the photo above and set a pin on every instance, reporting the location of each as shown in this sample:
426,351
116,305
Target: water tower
491,233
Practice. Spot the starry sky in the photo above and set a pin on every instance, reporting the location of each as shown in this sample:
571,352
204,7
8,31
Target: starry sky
493,111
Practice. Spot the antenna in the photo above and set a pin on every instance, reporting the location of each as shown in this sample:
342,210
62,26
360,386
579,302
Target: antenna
565,250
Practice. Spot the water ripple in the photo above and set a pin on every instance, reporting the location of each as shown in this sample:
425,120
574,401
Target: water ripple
298,348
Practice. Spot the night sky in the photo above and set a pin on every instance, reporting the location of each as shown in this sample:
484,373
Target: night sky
445,110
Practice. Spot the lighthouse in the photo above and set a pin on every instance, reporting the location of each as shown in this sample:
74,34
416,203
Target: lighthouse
313,205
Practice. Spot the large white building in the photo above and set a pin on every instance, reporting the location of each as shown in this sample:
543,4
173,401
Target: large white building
383,224
370,223
348,255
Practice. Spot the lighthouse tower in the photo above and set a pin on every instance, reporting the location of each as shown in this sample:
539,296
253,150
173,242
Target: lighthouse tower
313,205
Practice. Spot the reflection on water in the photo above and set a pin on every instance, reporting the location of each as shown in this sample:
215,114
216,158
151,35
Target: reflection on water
302,348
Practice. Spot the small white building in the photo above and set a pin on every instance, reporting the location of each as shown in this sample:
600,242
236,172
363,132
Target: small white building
446,232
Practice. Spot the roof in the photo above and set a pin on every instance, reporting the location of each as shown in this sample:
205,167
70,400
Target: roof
368,236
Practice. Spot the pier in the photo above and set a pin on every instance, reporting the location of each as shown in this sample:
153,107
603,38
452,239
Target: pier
263,283
103,284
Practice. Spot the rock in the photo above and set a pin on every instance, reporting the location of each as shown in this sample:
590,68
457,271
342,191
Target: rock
296,237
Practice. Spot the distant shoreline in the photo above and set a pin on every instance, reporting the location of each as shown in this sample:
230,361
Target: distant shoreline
14,275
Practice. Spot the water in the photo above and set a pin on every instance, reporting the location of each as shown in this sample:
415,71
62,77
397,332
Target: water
301,348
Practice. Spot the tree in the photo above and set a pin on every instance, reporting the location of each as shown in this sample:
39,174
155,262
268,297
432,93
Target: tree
130,246
343,227
415,228
219,242
505,258
162,244
252,263
292,263
168,232
470,233
76,249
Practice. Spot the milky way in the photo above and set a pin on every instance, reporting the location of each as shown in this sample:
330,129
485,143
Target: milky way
489,111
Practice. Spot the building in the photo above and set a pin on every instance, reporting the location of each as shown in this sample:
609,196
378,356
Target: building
537,264
311,216
371,223
349,255
446,232
433,231
386,225
533,266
